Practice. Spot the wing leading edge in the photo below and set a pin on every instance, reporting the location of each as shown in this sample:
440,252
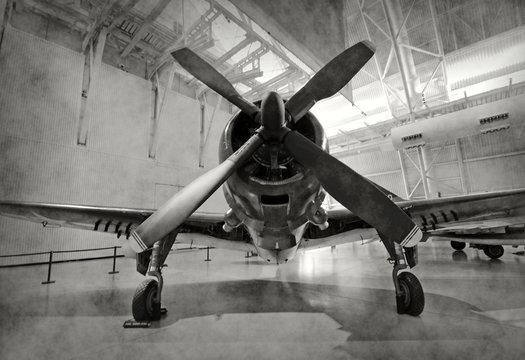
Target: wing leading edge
201,228
473,217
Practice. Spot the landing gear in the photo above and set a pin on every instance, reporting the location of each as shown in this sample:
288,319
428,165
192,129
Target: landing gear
410,298
493,251
146,304
456,245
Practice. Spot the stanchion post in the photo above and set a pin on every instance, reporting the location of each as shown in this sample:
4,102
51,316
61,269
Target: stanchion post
114,261
49,270
207,254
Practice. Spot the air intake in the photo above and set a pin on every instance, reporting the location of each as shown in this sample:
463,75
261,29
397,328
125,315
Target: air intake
275,199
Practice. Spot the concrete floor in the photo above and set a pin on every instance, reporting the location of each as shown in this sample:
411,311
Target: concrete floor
324,305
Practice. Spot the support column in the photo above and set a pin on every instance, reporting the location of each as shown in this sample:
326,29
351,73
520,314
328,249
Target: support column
439,43
422,171
403,174
5,11
462,173
208,129
3,7
428,163
378,67
407,69
93,64
202,135
157,113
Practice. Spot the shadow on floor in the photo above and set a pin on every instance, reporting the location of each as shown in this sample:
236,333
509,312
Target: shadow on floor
366,313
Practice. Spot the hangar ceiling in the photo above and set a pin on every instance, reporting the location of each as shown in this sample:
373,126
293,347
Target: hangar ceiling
430,53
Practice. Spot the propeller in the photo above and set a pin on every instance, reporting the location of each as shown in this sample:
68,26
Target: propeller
330,79
213,79
177,209
351,189
354,191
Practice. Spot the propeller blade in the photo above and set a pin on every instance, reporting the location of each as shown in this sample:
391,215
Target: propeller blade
330,79
203,71
176,210
354,192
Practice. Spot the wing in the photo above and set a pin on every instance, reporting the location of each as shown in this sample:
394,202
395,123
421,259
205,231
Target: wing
483,218
503,230
200,228
344,227
499,225
362,235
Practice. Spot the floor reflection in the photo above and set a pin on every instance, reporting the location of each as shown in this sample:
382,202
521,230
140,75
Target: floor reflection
345,295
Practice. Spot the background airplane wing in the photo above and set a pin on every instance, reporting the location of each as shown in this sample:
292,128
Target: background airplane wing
361,235
200,229
499,225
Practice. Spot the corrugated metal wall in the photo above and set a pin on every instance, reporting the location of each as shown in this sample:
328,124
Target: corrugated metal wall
493,161
41,161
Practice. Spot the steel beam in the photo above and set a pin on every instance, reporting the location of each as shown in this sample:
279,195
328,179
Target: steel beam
139,34
406,46
404,60
94,63
422,171
78,20
461,166
217,62
193,33
122,13
103,15
159,106
403,174
283,77
3,7
439,43
376,61
208,130
249,30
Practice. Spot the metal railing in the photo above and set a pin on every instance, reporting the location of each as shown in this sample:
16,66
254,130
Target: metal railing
50,261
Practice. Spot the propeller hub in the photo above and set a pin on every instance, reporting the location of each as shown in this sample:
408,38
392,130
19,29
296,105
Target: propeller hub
272,112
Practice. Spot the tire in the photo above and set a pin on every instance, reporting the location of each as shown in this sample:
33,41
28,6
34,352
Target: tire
456,245
459,255
413,298
143,306
494,251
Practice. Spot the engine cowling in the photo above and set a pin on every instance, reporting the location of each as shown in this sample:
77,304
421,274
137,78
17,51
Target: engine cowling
260,192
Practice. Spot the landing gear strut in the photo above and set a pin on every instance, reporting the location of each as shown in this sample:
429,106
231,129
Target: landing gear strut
410,298
146,305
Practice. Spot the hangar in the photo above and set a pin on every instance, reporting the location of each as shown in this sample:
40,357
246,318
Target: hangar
112,113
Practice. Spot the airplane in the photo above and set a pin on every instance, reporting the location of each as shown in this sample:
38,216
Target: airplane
276,171
497,219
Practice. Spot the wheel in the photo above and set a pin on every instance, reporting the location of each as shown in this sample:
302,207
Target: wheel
144,307
412,299
456,245
459,256
493,251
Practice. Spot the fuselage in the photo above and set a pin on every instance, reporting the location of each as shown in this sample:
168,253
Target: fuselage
272,195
